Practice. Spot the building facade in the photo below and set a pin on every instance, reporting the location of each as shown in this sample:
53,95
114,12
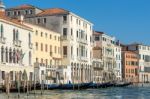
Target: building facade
107,44
130,66
76,39
118,64
46,52
16,54
144,60
97,64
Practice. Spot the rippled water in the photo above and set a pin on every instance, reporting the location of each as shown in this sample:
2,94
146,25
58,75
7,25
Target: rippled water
109,93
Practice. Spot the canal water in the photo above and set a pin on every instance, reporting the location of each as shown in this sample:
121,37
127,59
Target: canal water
108,93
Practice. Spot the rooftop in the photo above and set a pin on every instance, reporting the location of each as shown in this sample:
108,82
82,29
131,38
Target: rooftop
53,11
25,6
97,33
15,21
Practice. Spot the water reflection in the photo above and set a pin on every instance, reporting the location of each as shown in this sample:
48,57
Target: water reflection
110,93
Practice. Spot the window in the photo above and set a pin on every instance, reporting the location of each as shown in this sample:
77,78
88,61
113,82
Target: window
36,45
2,54
8,13
65,19
30,55
41,47
64,31
71,31
65,51
77,34
37,60
71,50
41,34
17,35
2,30
50,36
38,20
18,12
31,11
44,20
29,38
96,38
15,13
46,48
79,22
26,12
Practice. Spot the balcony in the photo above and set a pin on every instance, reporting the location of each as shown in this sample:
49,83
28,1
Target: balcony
2,40
30,45
82,41
17,43
81,58
63,37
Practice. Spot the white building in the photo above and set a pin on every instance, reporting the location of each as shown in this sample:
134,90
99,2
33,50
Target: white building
118,64
15,52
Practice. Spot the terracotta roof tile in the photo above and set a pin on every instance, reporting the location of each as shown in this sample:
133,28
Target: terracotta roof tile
97,33
15,21
25,6
53,11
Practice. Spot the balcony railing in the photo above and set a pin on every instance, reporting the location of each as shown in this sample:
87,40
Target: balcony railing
63,37
82,40
2,40
17,43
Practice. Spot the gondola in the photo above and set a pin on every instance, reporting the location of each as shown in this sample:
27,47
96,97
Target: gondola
71,86
122,84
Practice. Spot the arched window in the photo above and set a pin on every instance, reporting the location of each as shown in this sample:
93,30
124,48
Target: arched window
2,30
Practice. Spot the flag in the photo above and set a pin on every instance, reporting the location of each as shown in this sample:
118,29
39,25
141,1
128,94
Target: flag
18,55
22,55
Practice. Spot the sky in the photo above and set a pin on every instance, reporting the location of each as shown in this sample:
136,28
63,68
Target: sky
127,20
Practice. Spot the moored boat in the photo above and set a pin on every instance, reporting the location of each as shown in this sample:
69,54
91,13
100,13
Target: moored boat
123,84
